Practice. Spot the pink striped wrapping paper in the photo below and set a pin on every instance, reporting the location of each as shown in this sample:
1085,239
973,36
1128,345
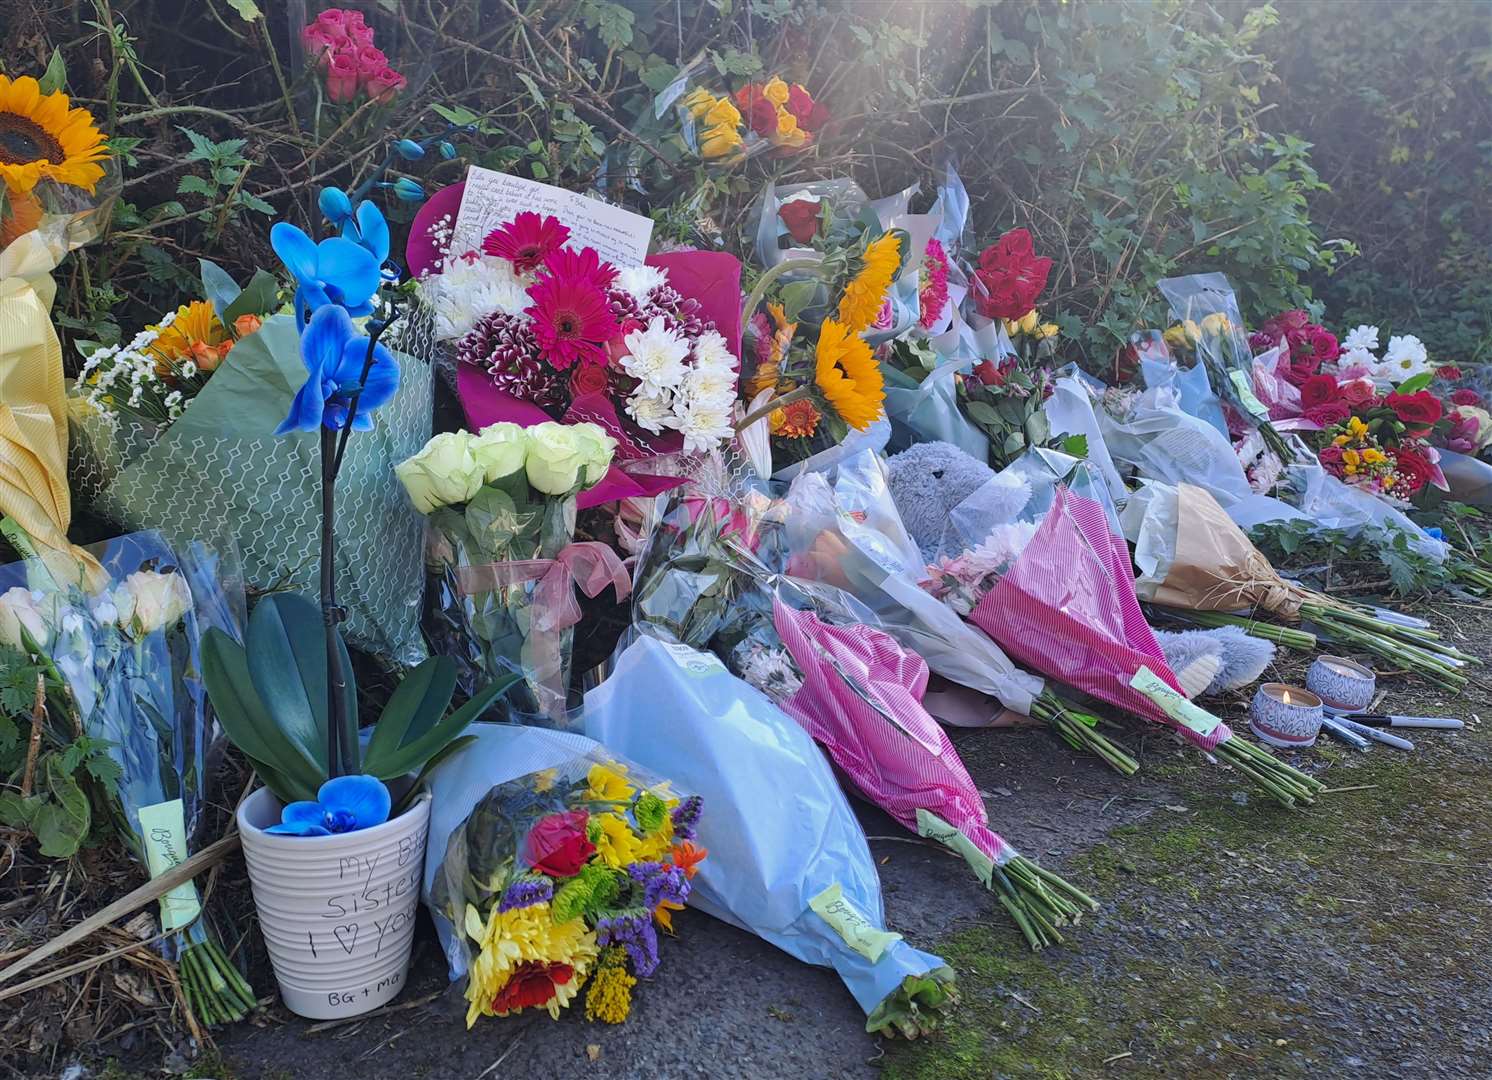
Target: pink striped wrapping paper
1067,607
876,731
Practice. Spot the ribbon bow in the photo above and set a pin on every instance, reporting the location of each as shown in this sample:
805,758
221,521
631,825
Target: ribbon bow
587,564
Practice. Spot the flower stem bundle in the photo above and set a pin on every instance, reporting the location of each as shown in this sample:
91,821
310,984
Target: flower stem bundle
1080,730
1038,900
1289,786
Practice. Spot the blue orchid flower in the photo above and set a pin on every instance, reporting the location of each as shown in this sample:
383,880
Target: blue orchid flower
346,804
368,229
334,353
336,271
335,206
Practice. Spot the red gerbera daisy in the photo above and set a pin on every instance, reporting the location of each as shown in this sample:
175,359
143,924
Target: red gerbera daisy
527,240
572,320
531,984
583,267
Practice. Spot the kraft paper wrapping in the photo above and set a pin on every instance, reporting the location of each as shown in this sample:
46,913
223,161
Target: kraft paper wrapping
33,406
1217,568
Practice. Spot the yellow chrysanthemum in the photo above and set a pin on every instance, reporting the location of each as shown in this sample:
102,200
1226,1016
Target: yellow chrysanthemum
509,939
866,291
656,846
42,138
608,783
616,843
196,334
610,997
848,376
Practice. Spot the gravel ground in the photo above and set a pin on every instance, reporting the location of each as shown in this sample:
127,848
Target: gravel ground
1236,939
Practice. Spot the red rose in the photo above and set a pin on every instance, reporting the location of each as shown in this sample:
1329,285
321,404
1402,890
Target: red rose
1285,322
1299,371
1324,347
1415,410
1331,457
1356,392
588,379
987,373
1010,277
531,984
1448,371
557,844
1466,396
1328,413
1317,390
760,113
1414,469
801,216
817,117
616,348
799,102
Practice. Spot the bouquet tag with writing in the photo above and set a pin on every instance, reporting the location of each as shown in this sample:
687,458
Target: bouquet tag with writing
1173,703
492,198
935,828
858,932
164,829
1243,383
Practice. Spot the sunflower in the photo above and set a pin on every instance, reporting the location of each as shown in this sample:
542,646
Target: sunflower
42,139
866,291
849,376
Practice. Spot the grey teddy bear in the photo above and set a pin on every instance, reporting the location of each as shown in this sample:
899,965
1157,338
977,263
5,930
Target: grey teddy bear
929,480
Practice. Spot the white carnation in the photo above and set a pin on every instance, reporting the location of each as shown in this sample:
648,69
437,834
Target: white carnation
639,281
655,357
1364,338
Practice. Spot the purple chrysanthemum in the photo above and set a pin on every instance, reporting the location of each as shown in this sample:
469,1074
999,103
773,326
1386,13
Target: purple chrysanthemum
505,347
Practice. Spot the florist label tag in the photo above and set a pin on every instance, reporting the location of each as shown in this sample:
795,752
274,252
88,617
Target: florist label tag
164,828
935,828
859,933
492,198
1174,704
1244,385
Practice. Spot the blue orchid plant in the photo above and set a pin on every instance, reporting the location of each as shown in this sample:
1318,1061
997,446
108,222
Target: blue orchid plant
286,697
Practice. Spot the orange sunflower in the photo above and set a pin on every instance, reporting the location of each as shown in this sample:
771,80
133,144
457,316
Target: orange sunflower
41,138
849,376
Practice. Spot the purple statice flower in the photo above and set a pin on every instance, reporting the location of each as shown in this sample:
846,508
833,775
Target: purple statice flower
633,930
686,817
526,892
660,881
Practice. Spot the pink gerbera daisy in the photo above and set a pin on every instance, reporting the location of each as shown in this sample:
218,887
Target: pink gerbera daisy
527,240
580,267
572,320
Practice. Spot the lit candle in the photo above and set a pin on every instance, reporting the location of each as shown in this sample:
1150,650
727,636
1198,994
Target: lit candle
1285,715
1343,685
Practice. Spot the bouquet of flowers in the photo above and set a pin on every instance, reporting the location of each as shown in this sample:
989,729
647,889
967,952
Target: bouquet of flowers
795,871
767,115
340,46
176,433
1056,592
501,509
558,874
851,687
125,643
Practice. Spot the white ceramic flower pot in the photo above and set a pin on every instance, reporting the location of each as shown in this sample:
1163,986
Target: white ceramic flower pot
337,912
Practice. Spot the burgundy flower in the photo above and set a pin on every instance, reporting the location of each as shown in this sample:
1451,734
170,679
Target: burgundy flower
1448,372
1328,413
531,985
1011,275
1465,396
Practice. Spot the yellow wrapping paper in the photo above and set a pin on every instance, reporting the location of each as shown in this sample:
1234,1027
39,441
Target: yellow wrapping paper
33,406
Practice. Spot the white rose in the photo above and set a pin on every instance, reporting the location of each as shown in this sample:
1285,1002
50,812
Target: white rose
18,609
500,449
444,472
598,448
557,458
147,601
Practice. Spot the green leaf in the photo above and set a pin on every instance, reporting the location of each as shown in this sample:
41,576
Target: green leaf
796,296
1076,445
195,185
416,704
247,9
55,77
61,824
260,297
440,755
255,203
411,756
219,287
1416,384
533,89
454,114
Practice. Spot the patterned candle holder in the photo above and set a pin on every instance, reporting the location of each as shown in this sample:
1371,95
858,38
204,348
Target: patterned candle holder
1342,685
1285,716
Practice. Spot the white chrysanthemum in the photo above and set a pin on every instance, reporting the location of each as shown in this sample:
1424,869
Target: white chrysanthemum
1406,357
1353,357
704,427
710,387
470,289
652,412
1361,337
639,281
655,357
711,351
1002,546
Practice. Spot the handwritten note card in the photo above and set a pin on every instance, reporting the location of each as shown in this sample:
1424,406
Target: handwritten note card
492,198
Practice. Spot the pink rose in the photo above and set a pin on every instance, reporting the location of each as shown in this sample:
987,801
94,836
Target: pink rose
319,44
1357,392
383,86
335,17
370,61
1466,396
341,77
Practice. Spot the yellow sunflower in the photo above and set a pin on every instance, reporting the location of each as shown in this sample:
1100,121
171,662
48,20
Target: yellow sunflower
41,138
866,291
849,376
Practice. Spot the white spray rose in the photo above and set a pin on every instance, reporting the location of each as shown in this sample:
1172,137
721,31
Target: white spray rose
500,450
444,472
22,608
147,601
